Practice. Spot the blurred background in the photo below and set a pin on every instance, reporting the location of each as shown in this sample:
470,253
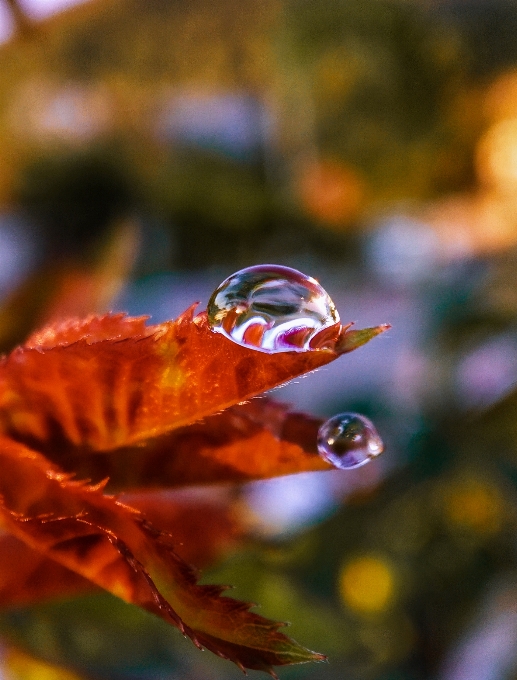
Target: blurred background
150,149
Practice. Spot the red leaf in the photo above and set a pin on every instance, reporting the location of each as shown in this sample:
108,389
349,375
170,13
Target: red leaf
27,576
109,395
256,440
204,527
92,329
106,393
114,546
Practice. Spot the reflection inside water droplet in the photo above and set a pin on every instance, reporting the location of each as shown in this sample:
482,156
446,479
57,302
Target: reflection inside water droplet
271,308
349,440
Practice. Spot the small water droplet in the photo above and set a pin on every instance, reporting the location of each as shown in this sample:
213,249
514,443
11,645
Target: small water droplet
349,440
271,308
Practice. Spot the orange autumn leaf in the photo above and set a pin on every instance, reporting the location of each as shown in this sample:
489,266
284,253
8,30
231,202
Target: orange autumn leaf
110,396
28,576
114,391
115,547
256,440
90,330
203,528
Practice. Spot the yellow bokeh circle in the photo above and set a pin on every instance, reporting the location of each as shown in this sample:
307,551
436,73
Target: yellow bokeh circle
474,505
367,584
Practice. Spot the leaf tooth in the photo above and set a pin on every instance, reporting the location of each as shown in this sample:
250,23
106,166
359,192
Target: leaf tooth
239,606
221,654
226,587
62,477
214,589
153,560
100,486
240,666
197,643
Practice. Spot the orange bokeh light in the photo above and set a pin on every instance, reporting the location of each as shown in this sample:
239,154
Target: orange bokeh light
496,156
474,505
331,193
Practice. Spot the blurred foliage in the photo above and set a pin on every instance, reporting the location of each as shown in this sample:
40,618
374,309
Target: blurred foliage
74,198
378,91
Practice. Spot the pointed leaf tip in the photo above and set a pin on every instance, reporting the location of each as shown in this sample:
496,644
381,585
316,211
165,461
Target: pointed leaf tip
352,339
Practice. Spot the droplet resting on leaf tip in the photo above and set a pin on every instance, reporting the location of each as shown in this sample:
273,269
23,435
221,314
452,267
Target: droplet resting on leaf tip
271,308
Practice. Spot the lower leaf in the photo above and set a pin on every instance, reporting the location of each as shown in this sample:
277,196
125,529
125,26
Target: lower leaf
115,547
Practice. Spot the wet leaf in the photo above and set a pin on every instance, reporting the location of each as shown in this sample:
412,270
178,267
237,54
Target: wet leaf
105,392
152,407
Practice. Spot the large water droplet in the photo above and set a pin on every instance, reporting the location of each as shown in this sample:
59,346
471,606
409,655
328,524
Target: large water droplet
349,440
271,308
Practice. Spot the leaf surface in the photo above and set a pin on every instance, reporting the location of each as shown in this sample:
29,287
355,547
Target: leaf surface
90,330
115,547
106,390
256,440
27,576
204,528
